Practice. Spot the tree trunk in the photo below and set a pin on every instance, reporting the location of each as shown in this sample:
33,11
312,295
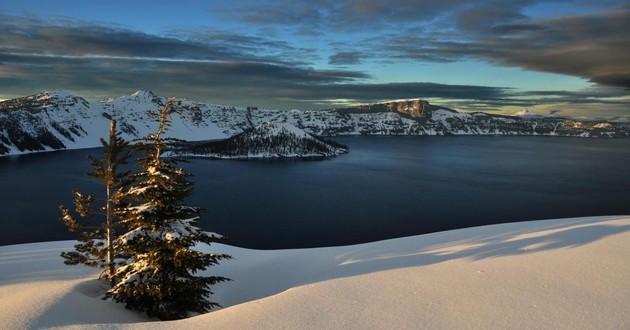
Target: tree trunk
109,233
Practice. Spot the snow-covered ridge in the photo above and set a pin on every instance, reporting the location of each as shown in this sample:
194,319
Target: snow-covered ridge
57,94
57,120
273,128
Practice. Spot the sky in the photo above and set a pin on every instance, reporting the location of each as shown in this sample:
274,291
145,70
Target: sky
568,57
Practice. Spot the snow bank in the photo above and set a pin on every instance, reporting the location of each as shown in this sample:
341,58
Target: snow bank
553,274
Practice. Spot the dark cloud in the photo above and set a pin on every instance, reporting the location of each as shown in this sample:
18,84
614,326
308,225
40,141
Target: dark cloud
488,17
340,15
31,35
621,79
344,58
239,83
84,57
224,82
594,47
86,73
261,84
376,92
420,48
610,96
590,46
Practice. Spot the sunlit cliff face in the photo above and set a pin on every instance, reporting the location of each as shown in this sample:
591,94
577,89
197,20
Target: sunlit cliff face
414,108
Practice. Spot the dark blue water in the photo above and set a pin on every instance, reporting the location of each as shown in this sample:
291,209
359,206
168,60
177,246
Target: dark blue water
385,187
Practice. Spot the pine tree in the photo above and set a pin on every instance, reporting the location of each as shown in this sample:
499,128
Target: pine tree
160,278
96,248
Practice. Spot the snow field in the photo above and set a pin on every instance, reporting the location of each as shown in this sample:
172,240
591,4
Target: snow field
552,274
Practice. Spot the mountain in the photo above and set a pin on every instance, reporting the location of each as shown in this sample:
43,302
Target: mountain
57,120
525,113
269,140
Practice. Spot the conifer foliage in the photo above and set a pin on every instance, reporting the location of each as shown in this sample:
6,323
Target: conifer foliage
160,278
96,241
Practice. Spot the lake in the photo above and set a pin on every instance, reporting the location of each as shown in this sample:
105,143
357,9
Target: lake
386,187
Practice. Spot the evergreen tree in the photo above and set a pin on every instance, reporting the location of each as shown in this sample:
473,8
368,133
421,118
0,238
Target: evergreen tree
96,248
160,278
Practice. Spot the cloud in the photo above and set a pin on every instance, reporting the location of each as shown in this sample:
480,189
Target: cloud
594,47
376,92
35,36
85,73
85,57
334,16
485,18
341,58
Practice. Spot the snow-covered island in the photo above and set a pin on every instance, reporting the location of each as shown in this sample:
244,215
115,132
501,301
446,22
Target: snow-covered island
551,274
268,140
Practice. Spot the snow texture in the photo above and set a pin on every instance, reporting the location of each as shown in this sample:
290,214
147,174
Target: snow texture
551,274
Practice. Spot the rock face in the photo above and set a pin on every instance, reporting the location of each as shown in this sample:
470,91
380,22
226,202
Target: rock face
415,108
58,120
269,140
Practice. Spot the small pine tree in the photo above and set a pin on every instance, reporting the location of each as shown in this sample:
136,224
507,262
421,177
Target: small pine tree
96,247
160,278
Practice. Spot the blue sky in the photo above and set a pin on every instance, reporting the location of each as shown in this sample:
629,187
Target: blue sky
570,57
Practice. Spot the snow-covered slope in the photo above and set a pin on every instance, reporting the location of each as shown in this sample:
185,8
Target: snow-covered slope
552,274
57,120
269,140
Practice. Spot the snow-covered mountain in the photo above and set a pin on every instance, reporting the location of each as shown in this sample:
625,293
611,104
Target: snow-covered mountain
269,140
525,113
58,120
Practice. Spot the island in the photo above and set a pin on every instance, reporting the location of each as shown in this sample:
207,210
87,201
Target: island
269,140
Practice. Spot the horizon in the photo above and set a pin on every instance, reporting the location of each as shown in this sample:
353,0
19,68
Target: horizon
523,112
564,57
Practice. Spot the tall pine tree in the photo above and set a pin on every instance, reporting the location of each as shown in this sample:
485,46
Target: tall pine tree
161,231
96,247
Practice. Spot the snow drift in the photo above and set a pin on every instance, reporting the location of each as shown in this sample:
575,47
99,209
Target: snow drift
553,274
